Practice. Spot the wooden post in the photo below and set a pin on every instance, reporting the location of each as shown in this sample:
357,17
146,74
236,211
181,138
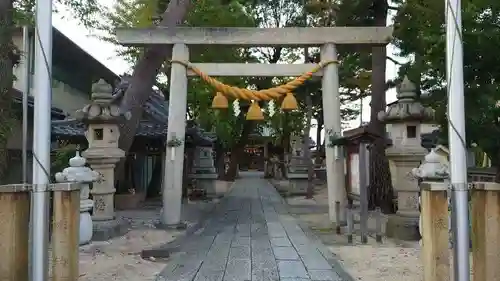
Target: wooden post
378,225
485,230
363,191
14,231
337,218
65,231
350,223
435,252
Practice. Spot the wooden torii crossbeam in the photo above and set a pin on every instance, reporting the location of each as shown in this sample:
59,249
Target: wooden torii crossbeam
181,37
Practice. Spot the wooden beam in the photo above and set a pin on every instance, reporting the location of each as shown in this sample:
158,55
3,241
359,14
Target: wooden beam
254,69
257,37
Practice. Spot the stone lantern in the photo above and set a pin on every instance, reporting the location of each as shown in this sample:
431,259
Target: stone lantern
405,118
102,117
77,172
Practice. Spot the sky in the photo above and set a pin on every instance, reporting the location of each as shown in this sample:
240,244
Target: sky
106,53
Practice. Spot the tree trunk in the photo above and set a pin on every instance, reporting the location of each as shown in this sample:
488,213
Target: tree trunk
380,189
144,77
237,150
186,171
319,143
219,161
285,144
6,80
221,166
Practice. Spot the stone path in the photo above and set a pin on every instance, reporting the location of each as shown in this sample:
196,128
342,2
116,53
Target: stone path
251,237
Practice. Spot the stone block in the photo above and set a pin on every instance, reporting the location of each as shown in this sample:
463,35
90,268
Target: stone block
402,228
292,269
222,187
285,253
298,183
105,230
206,182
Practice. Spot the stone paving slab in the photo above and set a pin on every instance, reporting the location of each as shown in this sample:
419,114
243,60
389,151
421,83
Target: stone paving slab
251,236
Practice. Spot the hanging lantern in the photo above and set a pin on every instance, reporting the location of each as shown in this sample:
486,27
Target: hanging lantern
289,102
236,108
271,108
219,101
255,112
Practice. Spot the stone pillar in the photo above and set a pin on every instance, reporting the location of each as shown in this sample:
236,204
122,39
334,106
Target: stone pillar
203,160
174,163
334,162
405,116
102,117
78,173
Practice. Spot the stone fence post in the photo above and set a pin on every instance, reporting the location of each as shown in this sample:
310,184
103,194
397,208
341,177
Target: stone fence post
434,219
78,173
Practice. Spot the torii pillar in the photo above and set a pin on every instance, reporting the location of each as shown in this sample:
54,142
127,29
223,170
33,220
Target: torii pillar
182,37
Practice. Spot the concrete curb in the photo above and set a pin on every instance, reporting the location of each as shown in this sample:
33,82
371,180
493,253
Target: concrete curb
327,254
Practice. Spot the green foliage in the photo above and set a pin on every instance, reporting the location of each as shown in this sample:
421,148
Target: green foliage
84,10
144,13
420,33
174,142
60,159
262,13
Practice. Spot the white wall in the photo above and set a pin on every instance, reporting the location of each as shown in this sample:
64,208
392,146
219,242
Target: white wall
63,96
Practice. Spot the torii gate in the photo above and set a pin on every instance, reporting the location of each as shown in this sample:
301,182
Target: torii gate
182,37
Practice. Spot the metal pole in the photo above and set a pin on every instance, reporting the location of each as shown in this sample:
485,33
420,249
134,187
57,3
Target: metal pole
41,144
458,153
26,91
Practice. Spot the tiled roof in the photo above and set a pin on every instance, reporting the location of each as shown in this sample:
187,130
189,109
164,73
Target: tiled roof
155,107
75,128
17,98
155,127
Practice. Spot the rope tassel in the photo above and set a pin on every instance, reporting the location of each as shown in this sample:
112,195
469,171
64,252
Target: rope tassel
224,91
289,102
220,101
254,112
246,94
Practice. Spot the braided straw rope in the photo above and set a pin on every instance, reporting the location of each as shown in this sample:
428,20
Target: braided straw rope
246,94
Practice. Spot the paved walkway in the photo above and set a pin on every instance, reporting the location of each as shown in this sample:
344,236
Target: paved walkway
251,237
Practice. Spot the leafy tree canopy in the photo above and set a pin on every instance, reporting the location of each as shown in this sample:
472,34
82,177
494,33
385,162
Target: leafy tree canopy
420,34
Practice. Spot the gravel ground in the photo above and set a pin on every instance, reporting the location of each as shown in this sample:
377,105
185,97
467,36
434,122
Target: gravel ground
389,261
119,258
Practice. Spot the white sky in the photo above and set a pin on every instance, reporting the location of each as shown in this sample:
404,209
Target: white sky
106,53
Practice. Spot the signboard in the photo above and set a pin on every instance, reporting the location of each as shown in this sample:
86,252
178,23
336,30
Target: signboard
354,173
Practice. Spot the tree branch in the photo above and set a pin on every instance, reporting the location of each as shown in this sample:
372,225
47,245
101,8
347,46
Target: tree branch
394,61
393,8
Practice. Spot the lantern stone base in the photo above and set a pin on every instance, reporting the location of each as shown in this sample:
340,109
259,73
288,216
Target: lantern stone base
207,182
298,184
402,227
105,230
